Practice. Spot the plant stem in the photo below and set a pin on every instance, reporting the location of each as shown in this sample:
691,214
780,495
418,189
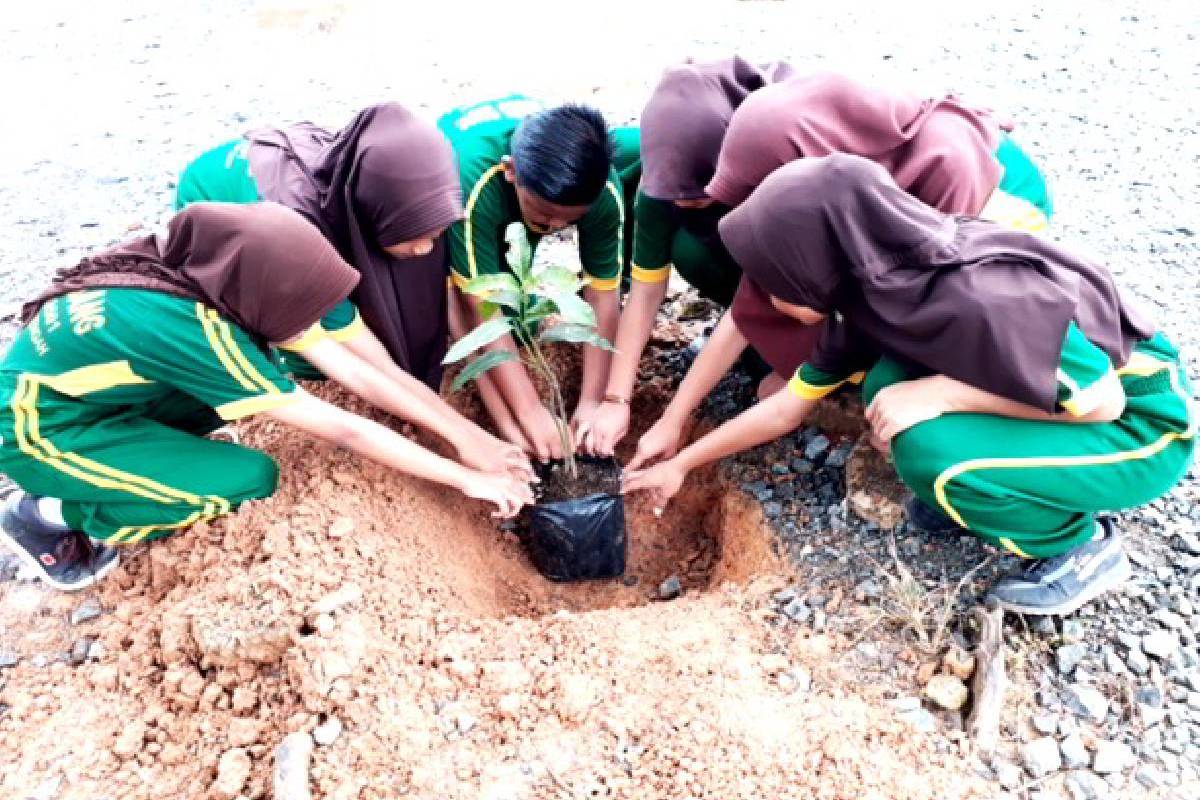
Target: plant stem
560,410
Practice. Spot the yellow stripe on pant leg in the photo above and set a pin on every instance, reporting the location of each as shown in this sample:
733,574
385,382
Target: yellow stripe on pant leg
30,442
134,534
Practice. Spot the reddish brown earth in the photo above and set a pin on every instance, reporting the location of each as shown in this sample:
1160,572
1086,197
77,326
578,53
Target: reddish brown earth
402,612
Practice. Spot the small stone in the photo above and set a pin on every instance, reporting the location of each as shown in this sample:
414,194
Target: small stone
1086,702
797,611
327,733
104,676
292,757
1111,757
1148,776
233,769
1074,754
1186,542
1137,662
1044,626
79,651
1160,644
46,789
959,663
1008,774
86,611
464,722
244,699
1150,716
1083,785
947,691
1041,756
1045,724
670,588
8,658
1068,657
1072,631
130,739
346,595
341,527
816,449
245,731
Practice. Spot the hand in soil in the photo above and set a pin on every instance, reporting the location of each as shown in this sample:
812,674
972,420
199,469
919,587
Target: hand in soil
662,481
661,441
507,493
488,453
542,432
902,405
583,422
609,426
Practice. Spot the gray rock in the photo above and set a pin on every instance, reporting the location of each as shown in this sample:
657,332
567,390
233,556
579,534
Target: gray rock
1074,754
1149,695
1008,774
1041,756
837,459
1083,785
8,658
1086,702
1044,626
797,611
921,719
292,758
1046,724
816,449
1186,542
86,611
80,650
1111,757
1148,776
1160,644
1068,657
1137,662
1150,715
1072,631
670,588
327,732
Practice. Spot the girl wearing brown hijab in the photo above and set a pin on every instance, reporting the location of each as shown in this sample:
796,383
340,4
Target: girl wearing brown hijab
1018,394
382,190
129,358
682,127
956,159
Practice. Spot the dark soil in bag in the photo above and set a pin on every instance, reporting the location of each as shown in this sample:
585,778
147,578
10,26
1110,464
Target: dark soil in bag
577,528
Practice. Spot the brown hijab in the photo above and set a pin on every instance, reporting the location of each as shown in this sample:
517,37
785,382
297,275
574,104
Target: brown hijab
961,297
262,266
685,120
387,177
939,150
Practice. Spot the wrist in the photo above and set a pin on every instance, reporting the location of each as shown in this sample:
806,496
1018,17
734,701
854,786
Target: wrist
946,390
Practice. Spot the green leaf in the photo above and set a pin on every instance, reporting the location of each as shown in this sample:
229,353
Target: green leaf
577,334
485,334
481,365
556,280
572,308
484,285
540,310
520,253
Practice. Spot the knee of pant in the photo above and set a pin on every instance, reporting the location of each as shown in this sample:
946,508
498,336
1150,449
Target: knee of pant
259,476
921,455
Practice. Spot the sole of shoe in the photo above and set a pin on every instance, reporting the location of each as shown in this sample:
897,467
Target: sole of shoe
1111,581
92,579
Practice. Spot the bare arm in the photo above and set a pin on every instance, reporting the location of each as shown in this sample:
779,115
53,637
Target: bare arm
898,407
596,361
719,354
633,331
781,413
385,446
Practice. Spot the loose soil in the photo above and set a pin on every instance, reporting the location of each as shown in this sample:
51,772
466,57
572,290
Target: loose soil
404,613
592,476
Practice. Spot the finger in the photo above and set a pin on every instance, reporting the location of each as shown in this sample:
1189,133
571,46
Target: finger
639,460
555,448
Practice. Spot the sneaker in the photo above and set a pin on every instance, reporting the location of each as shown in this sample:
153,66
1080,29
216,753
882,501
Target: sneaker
65,559
1064,583
925,517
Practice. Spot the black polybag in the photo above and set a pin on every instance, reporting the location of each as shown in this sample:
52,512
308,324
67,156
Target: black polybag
578,538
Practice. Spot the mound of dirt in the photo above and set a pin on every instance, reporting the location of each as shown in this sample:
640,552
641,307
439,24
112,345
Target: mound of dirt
413,638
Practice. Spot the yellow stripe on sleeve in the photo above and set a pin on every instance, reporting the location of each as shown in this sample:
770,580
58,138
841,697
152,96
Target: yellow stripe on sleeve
243,363
811,391
603,284
214,342
351,331
655,275
468,225
305,340
237,409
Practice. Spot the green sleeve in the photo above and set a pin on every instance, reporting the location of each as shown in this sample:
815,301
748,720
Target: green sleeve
1085,376
343,323
653,229
811,383
601,232
475,241
199,352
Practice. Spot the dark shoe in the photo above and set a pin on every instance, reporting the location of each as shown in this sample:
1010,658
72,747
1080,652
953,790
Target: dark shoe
1063,584
927,518
65,559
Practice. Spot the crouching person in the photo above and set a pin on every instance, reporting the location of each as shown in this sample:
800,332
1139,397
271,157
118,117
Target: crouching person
1019,395
129,358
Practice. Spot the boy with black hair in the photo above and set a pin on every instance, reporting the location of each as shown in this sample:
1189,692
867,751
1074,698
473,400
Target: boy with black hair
548,169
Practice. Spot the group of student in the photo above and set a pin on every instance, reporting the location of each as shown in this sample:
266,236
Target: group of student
854,235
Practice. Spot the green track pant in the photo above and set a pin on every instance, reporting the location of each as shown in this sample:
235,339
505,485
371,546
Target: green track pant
1033,487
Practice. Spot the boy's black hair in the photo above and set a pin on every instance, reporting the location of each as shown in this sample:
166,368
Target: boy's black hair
563,154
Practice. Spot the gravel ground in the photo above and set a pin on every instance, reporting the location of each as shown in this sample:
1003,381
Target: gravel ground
105,106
